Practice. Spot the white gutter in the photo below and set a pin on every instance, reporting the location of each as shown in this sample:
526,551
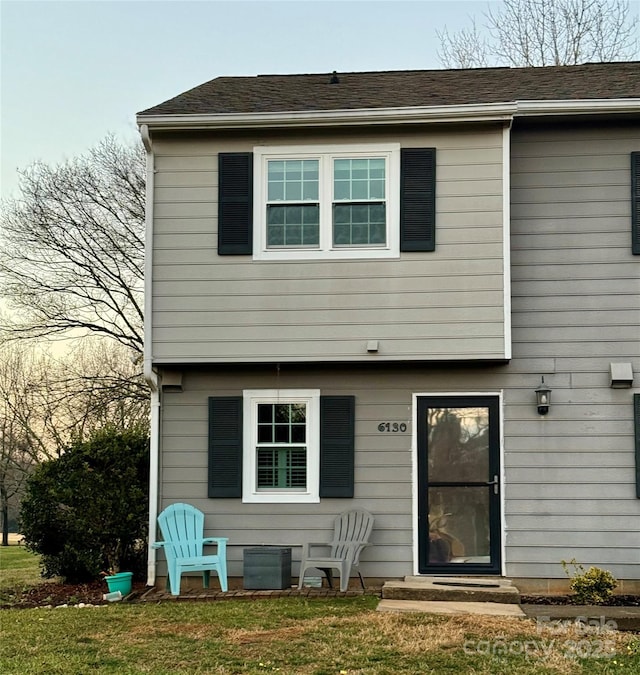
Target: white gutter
149,374
486,112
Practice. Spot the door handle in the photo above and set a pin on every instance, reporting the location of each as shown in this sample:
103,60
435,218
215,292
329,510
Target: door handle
496,484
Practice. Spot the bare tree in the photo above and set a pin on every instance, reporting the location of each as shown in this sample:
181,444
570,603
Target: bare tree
47,403
544,33
20,432
95,386
72,247
465,49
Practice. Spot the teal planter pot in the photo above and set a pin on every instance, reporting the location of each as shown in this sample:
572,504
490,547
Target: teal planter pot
120,582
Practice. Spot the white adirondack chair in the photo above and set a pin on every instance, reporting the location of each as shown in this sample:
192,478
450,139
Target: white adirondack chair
350,536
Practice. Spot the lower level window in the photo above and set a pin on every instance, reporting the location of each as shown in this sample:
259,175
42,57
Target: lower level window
281,451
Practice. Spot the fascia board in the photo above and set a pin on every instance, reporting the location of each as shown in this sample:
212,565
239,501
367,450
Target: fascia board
578,107
457,113
484,112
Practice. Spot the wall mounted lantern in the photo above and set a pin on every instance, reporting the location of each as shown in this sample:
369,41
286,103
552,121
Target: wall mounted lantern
543,398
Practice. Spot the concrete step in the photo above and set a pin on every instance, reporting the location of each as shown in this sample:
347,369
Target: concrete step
452,589
435,607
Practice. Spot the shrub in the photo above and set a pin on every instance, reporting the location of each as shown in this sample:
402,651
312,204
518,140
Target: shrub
593,587
86,511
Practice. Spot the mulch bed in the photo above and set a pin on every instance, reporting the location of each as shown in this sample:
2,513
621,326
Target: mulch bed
615,601
55,594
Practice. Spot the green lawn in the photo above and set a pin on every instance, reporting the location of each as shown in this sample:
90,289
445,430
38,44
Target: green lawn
294,636
18,567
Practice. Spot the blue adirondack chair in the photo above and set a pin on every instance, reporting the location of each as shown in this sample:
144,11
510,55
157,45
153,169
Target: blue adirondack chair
182,527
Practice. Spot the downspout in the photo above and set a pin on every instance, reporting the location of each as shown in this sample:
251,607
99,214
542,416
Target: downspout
149,374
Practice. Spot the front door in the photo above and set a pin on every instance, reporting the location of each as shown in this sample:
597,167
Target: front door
459,485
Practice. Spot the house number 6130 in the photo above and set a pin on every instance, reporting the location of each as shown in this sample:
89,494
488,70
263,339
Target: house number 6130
392,427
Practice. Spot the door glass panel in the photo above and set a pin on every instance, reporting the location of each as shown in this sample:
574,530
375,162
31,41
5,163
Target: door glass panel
458,444
459,525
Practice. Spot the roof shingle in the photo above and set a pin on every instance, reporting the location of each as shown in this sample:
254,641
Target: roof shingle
405,88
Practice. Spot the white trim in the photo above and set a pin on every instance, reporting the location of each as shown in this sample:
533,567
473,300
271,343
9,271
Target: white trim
477,112
149,374
415,487
325,154
251,398
506,236
503,485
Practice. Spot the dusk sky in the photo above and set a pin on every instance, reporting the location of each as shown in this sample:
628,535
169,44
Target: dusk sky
74,71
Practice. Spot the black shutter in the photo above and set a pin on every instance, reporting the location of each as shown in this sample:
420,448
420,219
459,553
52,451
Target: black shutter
337,446
417,199
636,420
235,203
225,446
635,203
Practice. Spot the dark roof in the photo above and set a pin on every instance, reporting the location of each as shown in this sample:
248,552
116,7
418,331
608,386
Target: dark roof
404,88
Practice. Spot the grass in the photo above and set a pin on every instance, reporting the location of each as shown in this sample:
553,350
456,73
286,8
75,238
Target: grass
292,636
295,636
18,567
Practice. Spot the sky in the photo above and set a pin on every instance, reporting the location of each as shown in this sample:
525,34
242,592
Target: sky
74,71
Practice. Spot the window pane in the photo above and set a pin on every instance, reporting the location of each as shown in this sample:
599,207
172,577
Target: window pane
377,233
341,189
293,191
293,225
293,169
297,468
293,235
282,433
292,180
341,234
265,413
376,189
342,169
377,213
359,233
275,235
265,433
359,224
299,433
310,191
276,170
282,468
359,179
275,215
310,235
276,191
360,189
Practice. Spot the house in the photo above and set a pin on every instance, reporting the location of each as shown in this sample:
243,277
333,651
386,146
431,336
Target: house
356,282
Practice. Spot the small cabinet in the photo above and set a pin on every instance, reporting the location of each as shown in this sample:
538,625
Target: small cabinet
267,568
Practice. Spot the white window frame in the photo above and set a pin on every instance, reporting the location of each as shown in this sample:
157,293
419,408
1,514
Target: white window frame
251,399
325,154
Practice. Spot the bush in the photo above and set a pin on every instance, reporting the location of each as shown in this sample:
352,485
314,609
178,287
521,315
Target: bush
87,511
593,587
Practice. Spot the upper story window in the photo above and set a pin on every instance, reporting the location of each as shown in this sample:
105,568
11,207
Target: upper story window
326,202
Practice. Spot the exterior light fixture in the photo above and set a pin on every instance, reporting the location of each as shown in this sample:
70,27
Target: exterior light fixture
543,398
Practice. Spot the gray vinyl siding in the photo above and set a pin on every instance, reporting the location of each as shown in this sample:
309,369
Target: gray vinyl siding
569,477
576,301
448,304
